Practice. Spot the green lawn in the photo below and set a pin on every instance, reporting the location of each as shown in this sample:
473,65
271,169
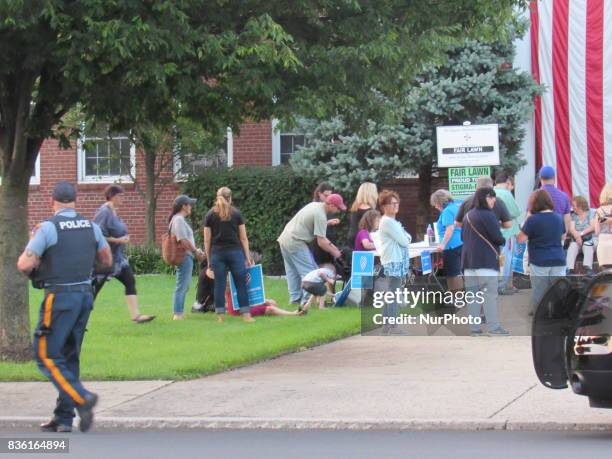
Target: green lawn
117,349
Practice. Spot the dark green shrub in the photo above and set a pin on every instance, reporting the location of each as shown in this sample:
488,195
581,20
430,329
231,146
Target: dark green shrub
147,260
268,197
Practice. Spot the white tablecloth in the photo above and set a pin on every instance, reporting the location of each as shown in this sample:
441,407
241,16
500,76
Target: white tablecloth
414,249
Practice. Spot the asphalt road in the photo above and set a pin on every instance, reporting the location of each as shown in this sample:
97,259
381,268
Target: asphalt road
326,444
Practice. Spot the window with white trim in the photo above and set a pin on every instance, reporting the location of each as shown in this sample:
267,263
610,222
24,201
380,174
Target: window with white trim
187,163
285,144
103,159
35,178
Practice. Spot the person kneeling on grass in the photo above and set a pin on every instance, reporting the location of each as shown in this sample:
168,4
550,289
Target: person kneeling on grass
316,283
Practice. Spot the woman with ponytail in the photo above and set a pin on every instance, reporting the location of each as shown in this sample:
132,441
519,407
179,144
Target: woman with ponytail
227,249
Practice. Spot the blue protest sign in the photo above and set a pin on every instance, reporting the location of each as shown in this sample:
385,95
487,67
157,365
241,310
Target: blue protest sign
426,261
362,269
255,287
518,258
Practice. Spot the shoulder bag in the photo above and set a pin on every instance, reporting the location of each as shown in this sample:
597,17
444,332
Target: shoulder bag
173,252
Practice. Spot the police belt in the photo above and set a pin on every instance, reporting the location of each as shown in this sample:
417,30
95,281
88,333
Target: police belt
84,288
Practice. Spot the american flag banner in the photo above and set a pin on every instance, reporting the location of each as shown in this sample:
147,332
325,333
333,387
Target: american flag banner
571,55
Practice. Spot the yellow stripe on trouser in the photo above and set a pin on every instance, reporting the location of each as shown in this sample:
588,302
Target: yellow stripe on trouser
42,354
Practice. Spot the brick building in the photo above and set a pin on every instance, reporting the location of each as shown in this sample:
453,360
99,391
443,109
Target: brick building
258,144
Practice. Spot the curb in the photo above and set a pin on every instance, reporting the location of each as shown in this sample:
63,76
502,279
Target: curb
237,423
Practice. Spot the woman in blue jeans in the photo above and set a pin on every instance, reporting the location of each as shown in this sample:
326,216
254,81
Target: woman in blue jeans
482,239
544,230
184,235
227,247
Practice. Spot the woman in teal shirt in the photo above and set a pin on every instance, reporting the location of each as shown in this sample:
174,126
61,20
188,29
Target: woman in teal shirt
451,244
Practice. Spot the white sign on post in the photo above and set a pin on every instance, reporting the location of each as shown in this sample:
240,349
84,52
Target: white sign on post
472,145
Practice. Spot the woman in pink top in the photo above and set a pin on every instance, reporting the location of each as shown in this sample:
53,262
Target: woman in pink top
368,224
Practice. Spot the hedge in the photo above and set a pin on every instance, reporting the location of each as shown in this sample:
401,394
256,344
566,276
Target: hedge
268,197
147,260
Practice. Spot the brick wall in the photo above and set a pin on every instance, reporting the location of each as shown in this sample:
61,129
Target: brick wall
57,164
253,147
408,190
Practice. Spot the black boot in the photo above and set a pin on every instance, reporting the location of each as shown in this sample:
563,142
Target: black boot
86,412
54,426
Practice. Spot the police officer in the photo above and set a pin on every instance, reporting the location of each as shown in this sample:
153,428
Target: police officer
60,258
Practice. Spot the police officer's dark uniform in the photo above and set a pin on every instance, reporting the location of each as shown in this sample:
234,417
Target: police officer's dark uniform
67,245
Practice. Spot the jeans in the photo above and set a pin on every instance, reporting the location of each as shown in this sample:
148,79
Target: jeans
224,261
507,251
390,284
297,265
184,272
484,281
543,277
573,251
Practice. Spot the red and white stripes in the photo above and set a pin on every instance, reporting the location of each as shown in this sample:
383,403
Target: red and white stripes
571,46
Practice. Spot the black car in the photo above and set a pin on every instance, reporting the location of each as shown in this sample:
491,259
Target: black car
572,337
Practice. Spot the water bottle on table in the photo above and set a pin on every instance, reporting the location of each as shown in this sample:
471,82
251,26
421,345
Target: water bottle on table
430,235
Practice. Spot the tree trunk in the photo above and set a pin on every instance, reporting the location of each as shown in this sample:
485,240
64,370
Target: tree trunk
15,341
150,197
423,208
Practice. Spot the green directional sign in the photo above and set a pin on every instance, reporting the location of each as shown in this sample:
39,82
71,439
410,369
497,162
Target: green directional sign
462,180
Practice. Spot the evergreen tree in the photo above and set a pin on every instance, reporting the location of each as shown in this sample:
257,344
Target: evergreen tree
476,83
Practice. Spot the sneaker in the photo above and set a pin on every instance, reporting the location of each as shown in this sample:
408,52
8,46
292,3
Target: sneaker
197,307
54,426
499,331
476,333
86,412
506,291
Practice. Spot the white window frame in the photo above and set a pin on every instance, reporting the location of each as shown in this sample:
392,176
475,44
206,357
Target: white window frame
35,179
177,166
276,141
83,178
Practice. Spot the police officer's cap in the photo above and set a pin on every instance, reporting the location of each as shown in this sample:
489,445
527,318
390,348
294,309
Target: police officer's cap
64,192
184,200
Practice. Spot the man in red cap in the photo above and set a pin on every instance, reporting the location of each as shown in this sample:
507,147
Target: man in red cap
308,224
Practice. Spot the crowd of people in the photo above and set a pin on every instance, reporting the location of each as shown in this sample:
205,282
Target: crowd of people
481,241
478,237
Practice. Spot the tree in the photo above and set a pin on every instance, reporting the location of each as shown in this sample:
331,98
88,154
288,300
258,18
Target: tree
109,57
475,84
224,61
169,152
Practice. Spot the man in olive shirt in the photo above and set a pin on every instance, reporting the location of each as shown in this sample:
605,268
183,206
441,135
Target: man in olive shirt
308,224
504,184
499,208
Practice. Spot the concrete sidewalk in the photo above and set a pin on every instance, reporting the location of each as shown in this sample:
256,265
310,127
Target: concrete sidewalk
363,382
